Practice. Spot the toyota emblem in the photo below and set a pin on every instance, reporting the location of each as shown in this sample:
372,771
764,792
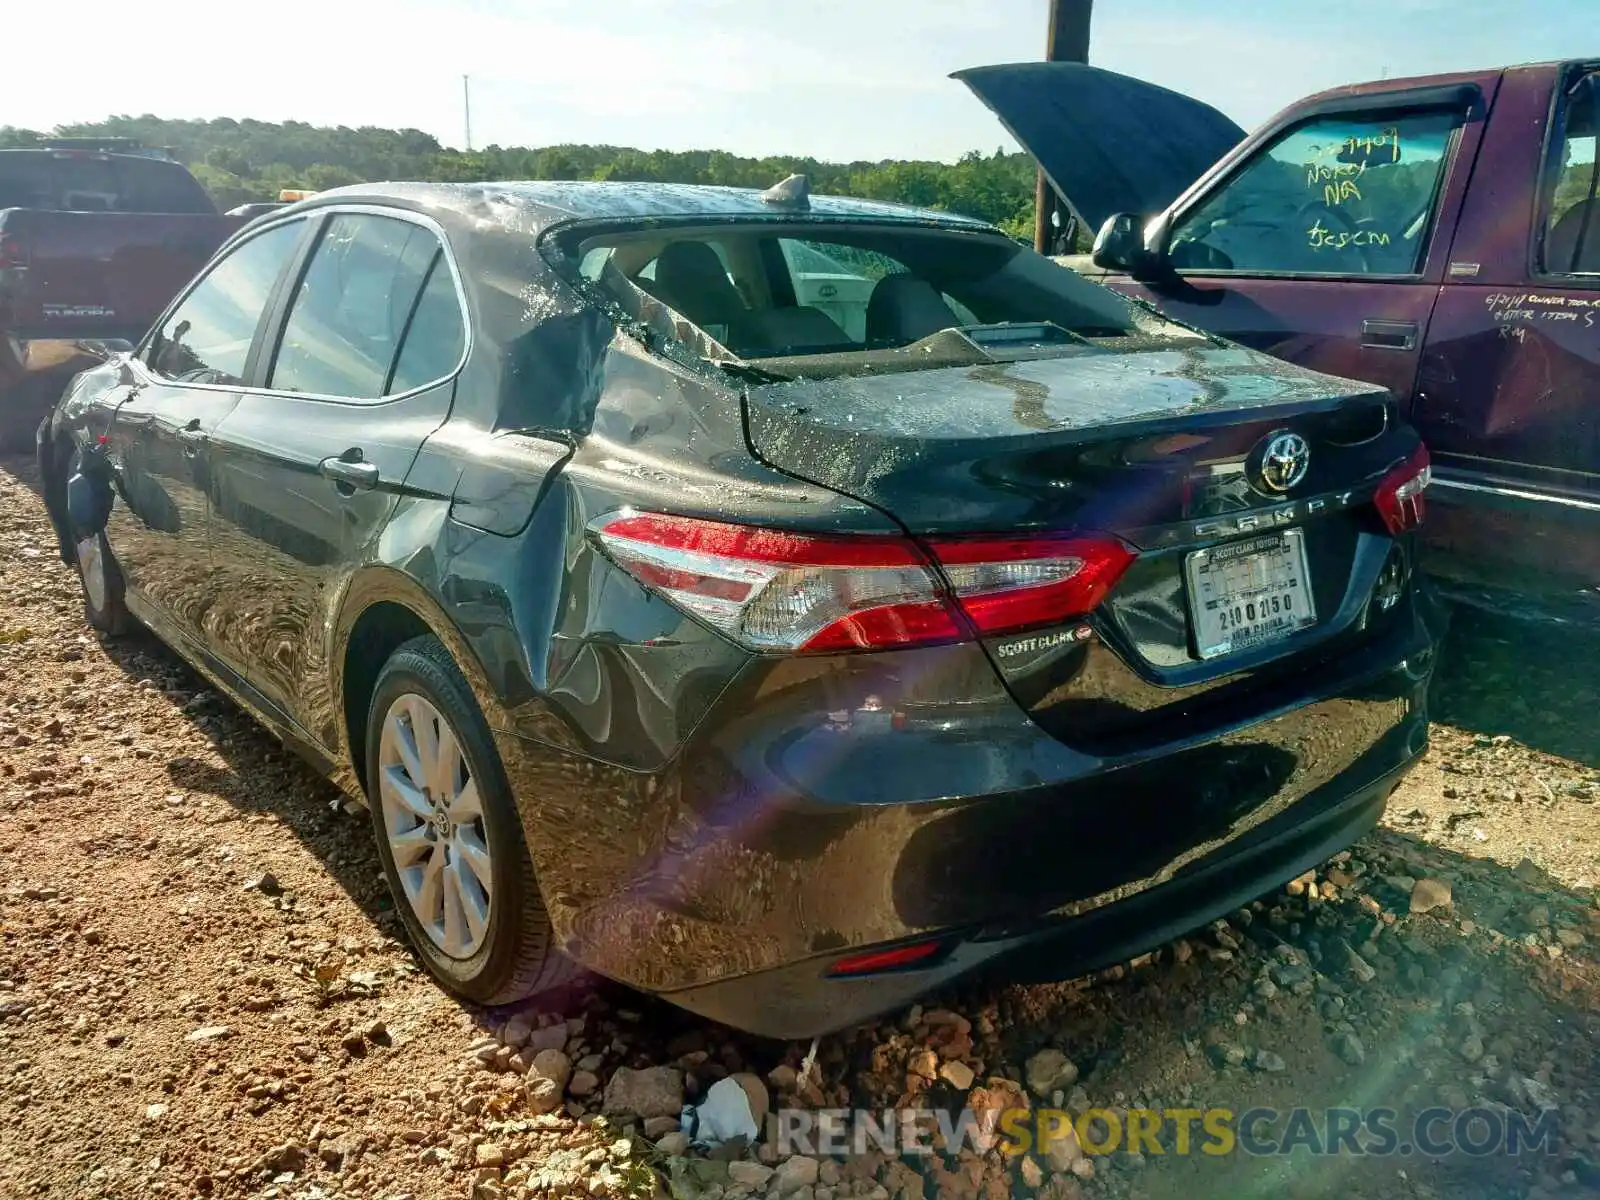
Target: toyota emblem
1280,462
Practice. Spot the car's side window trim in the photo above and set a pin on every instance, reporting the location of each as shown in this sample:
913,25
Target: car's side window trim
279,302
1555,137
280,313
411,316
1463,100
150,375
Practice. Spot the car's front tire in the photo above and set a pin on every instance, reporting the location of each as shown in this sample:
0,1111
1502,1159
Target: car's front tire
449,835
101,580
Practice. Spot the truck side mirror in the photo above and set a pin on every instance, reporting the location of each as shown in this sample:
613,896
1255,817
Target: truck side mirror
1119,246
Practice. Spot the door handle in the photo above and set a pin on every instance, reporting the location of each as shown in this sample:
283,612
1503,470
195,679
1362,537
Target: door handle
349,471
1389,335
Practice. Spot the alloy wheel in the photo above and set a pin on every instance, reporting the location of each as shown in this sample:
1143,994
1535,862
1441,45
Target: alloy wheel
433,819
92,570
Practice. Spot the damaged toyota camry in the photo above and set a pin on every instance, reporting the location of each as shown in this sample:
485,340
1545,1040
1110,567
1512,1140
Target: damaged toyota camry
783,604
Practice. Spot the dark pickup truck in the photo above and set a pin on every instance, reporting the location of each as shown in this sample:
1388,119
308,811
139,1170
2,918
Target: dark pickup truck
93,246
1439,236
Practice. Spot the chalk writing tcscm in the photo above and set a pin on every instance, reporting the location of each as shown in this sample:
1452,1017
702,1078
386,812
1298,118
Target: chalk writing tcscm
1321,237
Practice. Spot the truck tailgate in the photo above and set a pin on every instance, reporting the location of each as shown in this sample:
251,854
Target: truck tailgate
95,275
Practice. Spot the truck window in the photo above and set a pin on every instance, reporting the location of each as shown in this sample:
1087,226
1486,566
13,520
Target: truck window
1571,243
151,186
1337,195
74,181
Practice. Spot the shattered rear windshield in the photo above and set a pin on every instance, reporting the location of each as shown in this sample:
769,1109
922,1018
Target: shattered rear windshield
836,298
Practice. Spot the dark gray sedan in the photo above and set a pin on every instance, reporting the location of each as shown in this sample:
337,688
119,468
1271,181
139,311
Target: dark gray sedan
785,605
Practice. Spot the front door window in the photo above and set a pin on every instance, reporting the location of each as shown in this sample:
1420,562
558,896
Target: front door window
1333,196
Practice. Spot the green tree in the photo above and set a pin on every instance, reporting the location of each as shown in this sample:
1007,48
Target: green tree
241,160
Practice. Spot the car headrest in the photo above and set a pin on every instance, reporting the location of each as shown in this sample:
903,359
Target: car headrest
904,308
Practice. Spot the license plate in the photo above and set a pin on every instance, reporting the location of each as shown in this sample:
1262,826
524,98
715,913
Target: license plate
1247,593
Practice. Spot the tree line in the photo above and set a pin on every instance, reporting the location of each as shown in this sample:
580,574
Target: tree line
239,161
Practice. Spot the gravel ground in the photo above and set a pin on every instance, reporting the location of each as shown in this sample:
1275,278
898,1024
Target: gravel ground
202,991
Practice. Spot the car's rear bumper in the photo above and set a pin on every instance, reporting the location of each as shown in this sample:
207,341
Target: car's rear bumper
826,806
800,1000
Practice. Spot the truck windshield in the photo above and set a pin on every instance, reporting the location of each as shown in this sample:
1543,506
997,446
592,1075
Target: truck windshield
844,294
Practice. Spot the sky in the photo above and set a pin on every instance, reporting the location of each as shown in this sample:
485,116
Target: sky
833,79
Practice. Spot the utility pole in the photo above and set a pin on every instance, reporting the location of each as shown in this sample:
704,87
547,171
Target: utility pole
466,107
1066,41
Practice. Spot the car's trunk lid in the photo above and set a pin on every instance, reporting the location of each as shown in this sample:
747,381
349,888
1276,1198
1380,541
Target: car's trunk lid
1108,143
1153,446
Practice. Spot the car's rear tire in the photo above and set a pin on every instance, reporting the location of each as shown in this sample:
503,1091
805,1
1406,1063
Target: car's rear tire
449,835
103,598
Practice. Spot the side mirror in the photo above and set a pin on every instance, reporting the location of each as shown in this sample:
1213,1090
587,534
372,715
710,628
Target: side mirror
1119,246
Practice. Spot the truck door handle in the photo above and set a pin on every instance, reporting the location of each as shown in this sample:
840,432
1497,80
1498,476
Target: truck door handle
350,472
1389,335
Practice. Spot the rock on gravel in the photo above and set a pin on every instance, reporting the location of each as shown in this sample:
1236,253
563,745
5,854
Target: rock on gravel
1349,1049
752,1175
651,1092
673,1145
795,1173
1268,1061
1429,894
547,1080
1358,968
957,1074
489,1154
1050,1071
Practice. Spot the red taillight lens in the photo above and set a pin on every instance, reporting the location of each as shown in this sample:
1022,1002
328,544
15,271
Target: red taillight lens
1400,497
1013,583
11,253
802,592
886,960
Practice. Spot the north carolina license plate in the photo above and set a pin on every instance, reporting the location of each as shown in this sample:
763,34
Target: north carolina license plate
1246,593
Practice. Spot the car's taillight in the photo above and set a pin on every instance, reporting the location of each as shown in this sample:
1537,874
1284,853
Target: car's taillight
794,592
12,254
1006,584
1400,498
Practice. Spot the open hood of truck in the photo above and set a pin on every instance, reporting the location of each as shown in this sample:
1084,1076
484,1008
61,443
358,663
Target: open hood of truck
1108,143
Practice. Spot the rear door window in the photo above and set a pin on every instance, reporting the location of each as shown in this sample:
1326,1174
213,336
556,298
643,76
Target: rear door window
352,306
1337,195
437,336
1570,244
207,338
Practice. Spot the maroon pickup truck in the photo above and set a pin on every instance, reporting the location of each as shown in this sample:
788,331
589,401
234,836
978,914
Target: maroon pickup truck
92,247
1439,236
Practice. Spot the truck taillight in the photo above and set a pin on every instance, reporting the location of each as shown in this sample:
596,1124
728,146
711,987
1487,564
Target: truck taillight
805,593
1400,497
12,255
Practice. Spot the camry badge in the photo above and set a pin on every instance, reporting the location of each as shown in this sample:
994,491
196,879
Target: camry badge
1280,462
